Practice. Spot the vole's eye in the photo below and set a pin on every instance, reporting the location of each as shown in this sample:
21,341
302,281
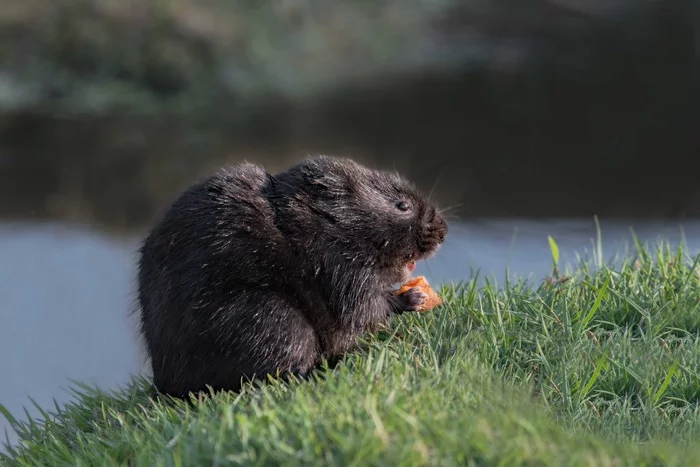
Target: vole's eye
403,206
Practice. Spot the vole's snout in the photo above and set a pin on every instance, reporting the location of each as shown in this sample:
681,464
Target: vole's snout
439,226
434,232
442,230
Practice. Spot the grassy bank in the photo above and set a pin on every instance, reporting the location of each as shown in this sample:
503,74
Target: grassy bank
590,368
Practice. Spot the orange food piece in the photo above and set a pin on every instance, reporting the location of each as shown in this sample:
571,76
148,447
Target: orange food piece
432,300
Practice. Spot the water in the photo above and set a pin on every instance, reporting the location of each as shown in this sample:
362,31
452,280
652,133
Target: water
65,293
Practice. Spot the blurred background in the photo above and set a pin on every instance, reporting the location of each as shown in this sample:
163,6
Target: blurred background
526,118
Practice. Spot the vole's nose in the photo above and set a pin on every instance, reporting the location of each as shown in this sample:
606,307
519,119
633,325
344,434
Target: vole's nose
441,228
438,225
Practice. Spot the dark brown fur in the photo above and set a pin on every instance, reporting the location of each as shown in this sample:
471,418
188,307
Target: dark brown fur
250,274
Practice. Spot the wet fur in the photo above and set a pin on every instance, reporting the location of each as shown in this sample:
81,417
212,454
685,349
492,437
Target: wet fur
250,274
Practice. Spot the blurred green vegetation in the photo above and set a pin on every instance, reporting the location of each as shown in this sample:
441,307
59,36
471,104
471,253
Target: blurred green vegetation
111,55
115,55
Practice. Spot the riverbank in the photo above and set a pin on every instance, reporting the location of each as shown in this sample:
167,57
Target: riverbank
583,369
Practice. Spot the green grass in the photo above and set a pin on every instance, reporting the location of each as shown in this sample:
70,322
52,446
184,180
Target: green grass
597,367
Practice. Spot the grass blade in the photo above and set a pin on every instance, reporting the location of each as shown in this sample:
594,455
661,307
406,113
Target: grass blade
667,380
600,364
555,251
602,293
6,413
599,244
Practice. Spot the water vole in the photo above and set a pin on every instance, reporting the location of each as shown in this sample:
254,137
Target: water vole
249,274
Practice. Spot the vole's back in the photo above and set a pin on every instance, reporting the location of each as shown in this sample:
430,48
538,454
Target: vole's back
216,284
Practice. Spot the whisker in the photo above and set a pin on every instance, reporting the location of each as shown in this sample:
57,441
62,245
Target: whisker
449,208
437,180
427,266
459,227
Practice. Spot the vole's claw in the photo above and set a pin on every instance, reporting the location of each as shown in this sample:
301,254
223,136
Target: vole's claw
411,299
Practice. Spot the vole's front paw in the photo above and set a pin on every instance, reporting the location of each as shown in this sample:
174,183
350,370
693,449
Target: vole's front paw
410,300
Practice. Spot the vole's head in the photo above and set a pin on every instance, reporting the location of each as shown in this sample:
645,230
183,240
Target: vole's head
378,216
